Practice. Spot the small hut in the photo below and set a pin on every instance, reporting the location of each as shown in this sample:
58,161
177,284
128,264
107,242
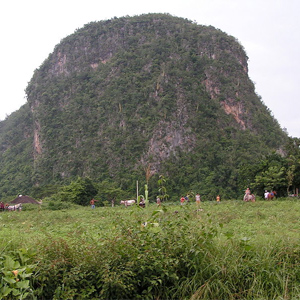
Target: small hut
24,199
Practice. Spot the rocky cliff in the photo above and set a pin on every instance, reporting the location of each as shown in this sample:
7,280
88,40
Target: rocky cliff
154,90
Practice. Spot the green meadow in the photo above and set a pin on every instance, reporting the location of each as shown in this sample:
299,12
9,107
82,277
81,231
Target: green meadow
226,250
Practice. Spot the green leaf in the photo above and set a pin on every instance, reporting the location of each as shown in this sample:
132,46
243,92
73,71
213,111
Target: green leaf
5,291
9,280
24,284
10,264
16,292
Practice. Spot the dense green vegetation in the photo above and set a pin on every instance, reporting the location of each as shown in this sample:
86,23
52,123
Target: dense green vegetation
16,154
227,250
120,96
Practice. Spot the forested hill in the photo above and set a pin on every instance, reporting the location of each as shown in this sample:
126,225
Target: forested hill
124,95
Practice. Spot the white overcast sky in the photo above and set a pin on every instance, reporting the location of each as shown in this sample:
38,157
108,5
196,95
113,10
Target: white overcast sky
269,30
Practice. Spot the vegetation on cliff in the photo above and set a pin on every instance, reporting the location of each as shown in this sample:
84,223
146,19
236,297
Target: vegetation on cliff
152,92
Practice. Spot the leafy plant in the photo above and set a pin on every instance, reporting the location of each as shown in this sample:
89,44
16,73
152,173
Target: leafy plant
162,188
15,275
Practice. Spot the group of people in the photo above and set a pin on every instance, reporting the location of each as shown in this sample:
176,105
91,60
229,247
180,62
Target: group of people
267,195
185,199
158,200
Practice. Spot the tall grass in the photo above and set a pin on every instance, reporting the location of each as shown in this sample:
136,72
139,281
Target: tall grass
230,250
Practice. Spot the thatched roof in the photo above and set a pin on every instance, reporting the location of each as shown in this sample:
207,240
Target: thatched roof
24,199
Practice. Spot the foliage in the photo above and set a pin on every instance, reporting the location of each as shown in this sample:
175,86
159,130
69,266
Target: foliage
275,171
292,148
42,192
58,205
162,188
107,191
79,191
271,179
16,158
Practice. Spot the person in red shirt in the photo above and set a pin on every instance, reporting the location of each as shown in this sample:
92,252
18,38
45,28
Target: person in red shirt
182,200
92,202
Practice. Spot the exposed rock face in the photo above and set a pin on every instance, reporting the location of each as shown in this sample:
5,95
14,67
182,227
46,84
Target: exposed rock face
36,139
236,110
166,140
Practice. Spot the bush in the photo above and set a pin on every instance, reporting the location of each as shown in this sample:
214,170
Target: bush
30,207
58,205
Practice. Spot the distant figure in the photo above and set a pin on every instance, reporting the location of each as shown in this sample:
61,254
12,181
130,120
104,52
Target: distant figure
182,200
186,198
198,199
272,195
92,202
158,201
218,198
1,206
266,195
142,202
247,194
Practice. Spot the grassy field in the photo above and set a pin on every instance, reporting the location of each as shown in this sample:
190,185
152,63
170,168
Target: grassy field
226,250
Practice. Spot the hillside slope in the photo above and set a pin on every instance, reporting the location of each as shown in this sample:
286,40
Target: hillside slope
156,91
